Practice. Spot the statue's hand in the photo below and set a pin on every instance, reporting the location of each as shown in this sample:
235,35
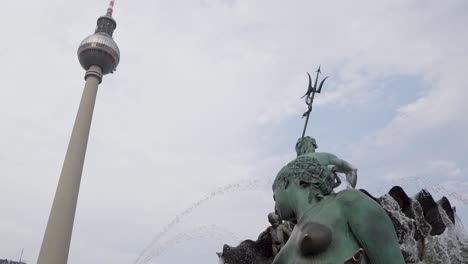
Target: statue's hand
351,177
356,259
333,168
342,166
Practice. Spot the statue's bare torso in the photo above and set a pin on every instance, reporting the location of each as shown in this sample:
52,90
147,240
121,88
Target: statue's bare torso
343,244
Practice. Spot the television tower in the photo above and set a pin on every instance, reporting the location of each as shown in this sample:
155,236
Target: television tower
99,55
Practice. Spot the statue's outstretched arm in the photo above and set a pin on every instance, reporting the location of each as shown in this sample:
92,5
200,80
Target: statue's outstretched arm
286,230
347,168
374,230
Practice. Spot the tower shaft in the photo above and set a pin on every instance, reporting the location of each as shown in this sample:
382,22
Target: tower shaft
56,242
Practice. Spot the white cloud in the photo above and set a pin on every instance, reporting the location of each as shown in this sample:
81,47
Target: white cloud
447,168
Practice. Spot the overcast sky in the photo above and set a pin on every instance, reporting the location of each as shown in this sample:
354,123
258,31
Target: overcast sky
204,110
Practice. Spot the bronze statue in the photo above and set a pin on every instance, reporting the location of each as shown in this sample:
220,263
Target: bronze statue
331,227
278,231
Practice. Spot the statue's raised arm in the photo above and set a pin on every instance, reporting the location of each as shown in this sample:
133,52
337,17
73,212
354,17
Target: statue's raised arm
342,166
307,146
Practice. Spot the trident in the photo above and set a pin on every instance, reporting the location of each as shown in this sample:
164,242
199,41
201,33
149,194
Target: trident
310,95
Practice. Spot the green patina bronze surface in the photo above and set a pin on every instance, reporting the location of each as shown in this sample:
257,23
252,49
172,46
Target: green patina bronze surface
331,227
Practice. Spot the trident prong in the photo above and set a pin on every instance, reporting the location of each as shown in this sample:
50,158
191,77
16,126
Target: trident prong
310,95
321,84
309,89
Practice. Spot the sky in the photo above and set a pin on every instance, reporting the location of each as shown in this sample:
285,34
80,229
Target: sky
204,109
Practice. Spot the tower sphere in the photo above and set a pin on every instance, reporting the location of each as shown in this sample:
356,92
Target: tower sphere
101,50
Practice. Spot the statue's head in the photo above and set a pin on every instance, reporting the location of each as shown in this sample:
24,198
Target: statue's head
274,219
305,145
302,178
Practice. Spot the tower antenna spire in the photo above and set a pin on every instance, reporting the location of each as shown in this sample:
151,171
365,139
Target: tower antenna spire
110,9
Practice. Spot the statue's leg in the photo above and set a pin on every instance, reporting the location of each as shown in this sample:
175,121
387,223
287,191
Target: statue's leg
275,250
